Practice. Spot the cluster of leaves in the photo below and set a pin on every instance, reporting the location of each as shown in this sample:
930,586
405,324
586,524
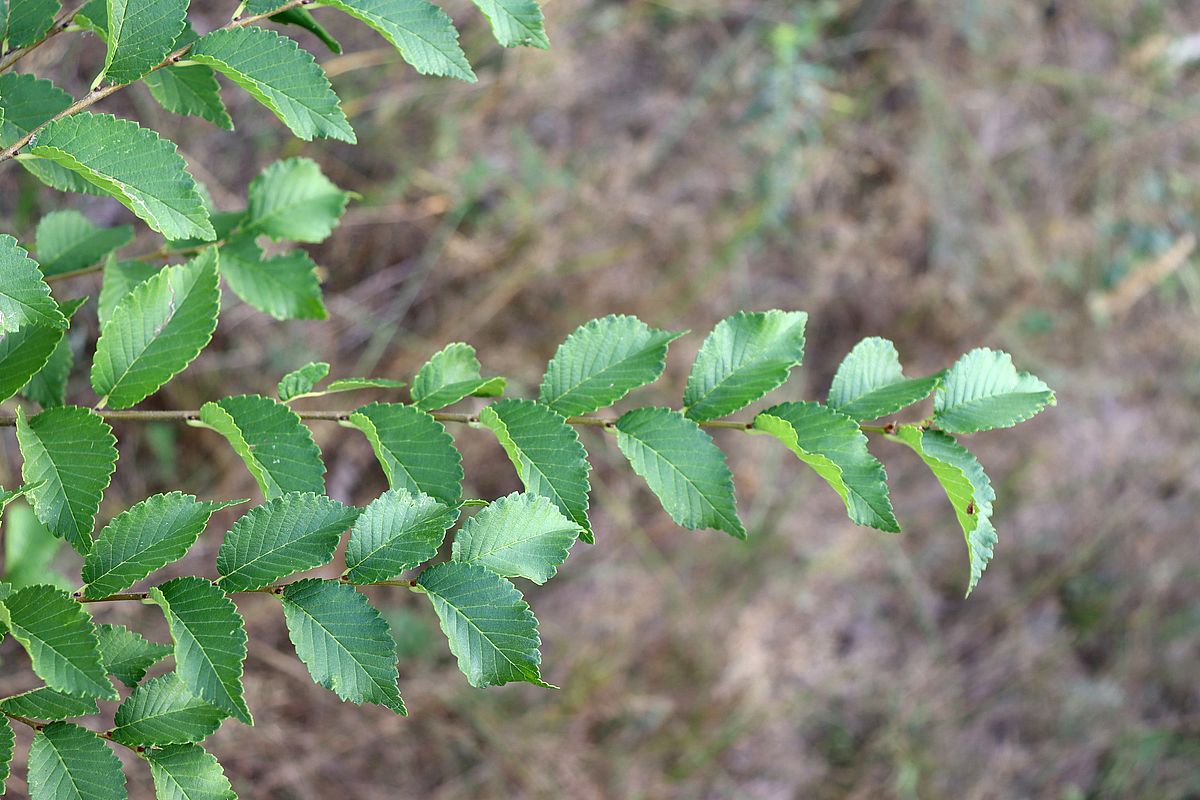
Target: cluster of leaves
156,317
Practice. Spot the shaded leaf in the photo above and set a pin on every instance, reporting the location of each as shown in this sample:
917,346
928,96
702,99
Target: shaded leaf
30,20
413,448
210,642
396,532
67,762
190,91
289,534
601,362
24,354
489,626
833,445
162,711
285,286
188,772
24,296
518,536
126,655
120,278
48,704
745,356
69,241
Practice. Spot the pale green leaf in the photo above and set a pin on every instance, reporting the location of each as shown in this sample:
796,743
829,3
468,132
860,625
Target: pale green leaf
271,440
67,762
489,626
966,485
68,241
345,643
745,356
188,772
162,711
126,655
682,466
48,704
24,296
210,642
156,330
516,22
356,384
292,199
26,103
60,639
280,75
120,278
452,374
546,451
140,34
601,362
289,534
870,382
833,445
300,382
413,448
285,286
518,536
396,532
191,91
144,173
983,391
24,354
29,546
422,32
69,456
155,532
48,386
30,20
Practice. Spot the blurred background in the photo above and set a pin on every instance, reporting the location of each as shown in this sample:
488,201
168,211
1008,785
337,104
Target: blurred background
945,173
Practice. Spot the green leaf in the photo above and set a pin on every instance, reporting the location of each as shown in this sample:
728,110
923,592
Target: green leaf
983,391
285,286
682,466
48,704
156,331
48,386
833,445
300,382
516,23
356,384
191,91
70,455
140,35
188,772
93,16
162,711
396,532
7,741
967,487
489,626
870,382
157,531
345,643
30,20
601,362
24,297
302,18
68,241
26,102
58,634
413,448
292,533
280,75
547,453
120,278
271,440
210,642
67,762
453,373
126,655
518,536
132,164
422,32
745,356
25,353
293,200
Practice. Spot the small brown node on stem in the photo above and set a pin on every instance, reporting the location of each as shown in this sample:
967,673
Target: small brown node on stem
889,428
971,508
